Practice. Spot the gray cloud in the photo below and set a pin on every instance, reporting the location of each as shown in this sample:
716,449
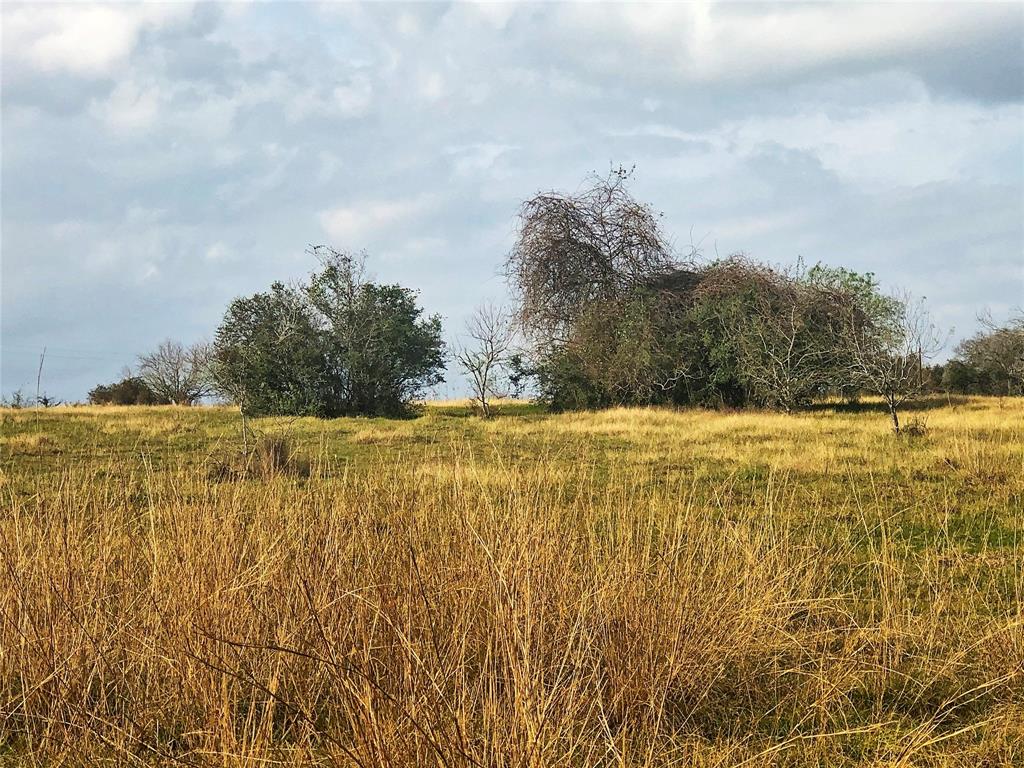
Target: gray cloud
158,162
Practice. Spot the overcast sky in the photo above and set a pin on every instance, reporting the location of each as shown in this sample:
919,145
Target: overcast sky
160,159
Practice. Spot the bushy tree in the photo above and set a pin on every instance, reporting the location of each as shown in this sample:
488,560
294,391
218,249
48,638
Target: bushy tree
382,351
130,390
270,357
333,346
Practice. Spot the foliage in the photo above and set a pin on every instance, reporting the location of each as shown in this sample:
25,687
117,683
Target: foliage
333,346
130,390
991,361
270,357
616,319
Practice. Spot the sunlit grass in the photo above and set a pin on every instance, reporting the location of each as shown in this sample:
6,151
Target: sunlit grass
631,587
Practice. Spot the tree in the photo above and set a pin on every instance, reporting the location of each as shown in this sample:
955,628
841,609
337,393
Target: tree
382,351
887,358
995,355
492,334
270,358
333,346
776,330
130,390
574,250
178,374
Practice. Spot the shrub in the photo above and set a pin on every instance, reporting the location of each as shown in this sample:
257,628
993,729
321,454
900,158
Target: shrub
130,390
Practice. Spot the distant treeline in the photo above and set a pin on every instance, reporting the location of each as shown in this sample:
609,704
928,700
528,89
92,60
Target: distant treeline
606,312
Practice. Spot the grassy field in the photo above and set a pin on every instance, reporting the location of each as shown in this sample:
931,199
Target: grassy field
623,588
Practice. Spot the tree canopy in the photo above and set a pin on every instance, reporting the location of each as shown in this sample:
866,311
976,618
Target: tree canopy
332,346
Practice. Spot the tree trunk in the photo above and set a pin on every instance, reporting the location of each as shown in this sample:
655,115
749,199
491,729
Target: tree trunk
895,418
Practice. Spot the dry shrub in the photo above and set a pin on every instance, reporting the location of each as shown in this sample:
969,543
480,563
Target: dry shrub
915,427
270,457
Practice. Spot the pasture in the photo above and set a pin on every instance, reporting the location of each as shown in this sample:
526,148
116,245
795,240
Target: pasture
631,587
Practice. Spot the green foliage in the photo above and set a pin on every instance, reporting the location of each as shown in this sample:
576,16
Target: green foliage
270,358
334,346
131,390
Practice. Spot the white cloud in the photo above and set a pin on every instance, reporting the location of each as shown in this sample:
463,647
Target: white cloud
220,251
329,165
271,165
478,158
352,226
431,86
902,144
87,39
704,42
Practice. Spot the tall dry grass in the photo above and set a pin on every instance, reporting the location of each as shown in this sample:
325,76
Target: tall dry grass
459,607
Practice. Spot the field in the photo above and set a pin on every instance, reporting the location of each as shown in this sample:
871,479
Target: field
622,588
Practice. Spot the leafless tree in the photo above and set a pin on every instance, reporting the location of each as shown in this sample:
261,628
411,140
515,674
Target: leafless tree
998,351
492,334
887,359
573,250
178,373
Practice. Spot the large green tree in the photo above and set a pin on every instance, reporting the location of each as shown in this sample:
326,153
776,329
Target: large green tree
333,346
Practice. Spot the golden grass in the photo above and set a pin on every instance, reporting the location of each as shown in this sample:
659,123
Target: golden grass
621,588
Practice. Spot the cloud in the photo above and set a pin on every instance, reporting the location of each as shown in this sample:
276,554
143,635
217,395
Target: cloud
85,39
353,226
160,159
354,97
130,107
478,158
893,144
947,44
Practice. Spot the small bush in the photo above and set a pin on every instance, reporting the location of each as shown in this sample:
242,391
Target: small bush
915,427
272,456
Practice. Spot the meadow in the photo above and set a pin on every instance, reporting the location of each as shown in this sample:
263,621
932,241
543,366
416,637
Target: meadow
631,587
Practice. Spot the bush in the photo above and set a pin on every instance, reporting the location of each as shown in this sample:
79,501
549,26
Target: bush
271,456
130,390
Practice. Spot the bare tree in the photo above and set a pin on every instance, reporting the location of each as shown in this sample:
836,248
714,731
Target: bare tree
574,250
998,353
887,359
492,334
178,373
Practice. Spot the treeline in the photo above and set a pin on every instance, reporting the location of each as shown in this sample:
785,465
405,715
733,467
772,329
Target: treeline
605,313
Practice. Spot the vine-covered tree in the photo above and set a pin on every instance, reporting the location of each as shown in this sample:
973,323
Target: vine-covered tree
573,250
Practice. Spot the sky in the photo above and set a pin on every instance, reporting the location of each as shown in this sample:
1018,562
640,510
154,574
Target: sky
159,160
